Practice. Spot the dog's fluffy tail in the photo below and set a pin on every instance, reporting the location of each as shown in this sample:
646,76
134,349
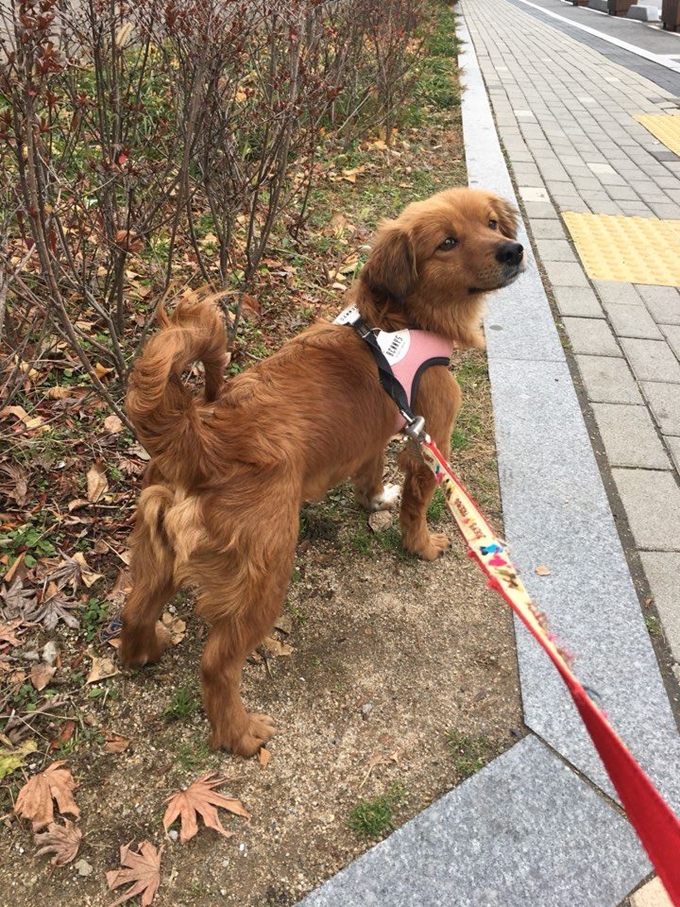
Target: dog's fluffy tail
162,409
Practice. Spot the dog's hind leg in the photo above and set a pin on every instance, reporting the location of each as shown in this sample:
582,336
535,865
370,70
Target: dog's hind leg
241,613
369,489
142,642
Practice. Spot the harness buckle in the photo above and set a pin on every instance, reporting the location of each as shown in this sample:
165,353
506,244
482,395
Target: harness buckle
415,429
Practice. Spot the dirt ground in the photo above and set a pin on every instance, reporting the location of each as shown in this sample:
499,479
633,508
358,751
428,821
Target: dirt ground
402,677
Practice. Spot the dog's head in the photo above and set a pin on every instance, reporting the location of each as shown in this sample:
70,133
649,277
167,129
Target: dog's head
432,266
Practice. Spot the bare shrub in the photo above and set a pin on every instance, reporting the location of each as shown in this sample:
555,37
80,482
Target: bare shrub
150,144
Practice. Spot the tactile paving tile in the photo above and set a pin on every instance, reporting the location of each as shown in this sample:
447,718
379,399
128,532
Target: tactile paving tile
628,249
665,126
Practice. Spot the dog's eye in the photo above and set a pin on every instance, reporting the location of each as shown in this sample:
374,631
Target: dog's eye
493,224
448,244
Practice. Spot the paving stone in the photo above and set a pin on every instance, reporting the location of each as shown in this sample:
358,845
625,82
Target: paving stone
662,570
591,338
556,512
580,302
540,210
525,830
652,360
555,250
565,274
653,894
672,335
546,229
614,293
633,321
652,503
664,400
629,436
662,302
533,194
608,380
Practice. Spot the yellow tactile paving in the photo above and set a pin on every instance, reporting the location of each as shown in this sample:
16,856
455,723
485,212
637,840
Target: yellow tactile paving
628,249
665,126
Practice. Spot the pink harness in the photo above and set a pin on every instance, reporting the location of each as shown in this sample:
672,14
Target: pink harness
408,353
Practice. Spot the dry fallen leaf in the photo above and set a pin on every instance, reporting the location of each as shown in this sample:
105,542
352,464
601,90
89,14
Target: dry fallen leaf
67,731
200,799
61,840
34,801
542,570
113,424
96,482
87,574
12,758
115,743
101,669
7,632
41,674
143,870
264,756
175,626
380,520
276,647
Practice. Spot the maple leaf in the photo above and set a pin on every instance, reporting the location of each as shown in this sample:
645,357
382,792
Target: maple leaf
7,633
34,801
201,798
143,870
61,840
16,599
53,609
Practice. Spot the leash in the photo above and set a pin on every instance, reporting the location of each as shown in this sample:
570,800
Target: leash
656,825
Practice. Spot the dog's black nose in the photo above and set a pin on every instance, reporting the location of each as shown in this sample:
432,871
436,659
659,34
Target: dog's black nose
510,253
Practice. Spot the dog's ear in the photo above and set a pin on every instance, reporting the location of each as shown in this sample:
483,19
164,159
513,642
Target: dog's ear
507,217
391,266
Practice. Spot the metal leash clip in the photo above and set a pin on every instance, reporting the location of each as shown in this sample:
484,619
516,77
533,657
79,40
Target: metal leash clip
415,428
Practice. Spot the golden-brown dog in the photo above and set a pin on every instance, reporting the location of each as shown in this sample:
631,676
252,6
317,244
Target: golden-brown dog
229,472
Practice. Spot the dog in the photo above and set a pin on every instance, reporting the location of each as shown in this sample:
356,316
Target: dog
231,468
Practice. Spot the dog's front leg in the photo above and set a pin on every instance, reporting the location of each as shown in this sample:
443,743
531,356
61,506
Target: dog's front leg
438,402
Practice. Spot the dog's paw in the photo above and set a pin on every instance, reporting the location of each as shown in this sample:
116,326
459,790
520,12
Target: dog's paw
387,499
260,729
437,544
139,649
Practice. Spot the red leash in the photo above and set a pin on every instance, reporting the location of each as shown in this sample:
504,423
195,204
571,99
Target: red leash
655,823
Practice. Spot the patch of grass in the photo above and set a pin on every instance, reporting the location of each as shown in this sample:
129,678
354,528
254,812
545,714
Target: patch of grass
192,757
184,703
652,624
29,539
361,541
471,371
371,818
93,617
470,752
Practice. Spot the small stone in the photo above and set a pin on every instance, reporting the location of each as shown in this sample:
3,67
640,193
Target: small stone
84,868
50,653
173,835
366,710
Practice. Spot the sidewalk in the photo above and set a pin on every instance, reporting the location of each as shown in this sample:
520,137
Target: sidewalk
585,374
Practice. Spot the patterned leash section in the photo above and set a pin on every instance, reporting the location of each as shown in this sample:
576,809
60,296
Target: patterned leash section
653,820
